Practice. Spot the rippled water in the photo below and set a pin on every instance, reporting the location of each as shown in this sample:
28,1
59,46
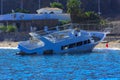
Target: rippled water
100,64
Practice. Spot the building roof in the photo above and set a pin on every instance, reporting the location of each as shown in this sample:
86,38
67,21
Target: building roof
24,16
48,8
21,16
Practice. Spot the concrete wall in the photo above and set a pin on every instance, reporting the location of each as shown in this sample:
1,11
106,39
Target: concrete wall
24,25
19,36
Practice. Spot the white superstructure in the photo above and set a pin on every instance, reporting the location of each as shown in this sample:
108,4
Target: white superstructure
68,38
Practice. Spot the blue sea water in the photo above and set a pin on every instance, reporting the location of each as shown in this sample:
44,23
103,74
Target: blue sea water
101,64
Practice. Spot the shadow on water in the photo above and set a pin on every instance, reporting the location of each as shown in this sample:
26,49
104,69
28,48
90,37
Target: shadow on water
95,51
78,53
60,54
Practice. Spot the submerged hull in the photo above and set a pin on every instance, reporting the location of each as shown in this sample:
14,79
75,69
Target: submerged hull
80,49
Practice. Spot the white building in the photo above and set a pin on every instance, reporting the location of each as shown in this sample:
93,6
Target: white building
48,10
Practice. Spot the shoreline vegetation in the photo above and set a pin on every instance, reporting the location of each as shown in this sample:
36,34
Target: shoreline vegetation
112,44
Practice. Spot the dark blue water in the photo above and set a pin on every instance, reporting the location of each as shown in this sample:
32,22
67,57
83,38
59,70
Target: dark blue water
100,64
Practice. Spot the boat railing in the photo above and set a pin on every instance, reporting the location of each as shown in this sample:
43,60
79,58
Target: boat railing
58,28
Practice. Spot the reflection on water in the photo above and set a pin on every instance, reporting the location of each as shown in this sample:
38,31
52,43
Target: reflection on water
100,64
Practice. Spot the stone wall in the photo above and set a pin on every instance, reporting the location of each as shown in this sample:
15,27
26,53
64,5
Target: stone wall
17,36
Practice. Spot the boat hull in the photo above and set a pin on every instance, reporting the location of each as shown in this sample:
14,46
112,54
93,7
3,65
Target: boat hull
80,49
60,44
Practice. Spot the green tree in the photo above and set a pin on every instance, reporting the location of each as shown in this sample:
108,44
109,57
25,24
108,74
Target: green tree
92,16
3,28
8,28
22,10
56,5
78,15
62,22
11,28
73,7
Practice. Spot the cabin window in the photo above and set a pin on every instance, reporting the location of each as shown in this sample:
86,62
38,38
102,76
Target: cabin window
52,12
79,43
64,47
72,45
75,44
86,41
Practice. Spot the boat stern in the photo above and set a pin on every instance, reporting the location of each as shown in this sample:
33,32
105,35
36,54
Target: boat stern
98,36
28,47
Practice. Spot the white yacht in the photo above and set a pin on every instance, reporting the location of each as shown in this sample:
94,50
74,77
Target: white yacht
66,39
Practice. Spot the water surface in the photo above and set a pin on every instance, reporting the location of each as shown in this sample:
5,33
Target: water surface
100,64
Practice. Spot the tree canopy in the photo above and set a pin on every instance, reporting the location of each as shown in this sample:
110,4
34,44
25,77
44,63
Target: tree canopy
22,10
73,6
78,15
56,5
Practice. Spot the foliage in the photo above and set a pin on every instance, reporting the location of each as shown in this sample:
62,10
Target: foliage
8,28
79,16
62,22
92,15
56,5
11,28
73,6
87,17
3,28
103,22
22,10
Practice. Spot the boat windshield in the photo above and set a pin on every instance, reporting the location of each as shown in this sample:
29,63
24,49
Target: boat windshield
58,36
